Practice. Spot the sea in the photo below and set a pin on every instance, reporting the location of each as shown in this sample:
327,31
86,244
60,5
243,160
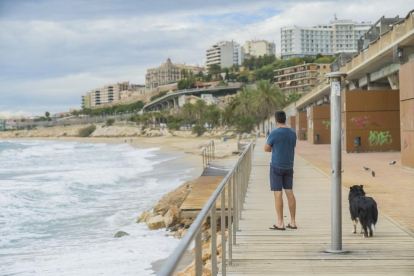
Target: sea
61,204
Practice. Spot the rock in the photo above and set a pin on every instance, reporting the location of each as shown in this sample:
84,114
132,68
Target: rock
120,234
143,217
184,232
207,267
174,228
172,216
150,215
218,240
206,253
156,222
187,224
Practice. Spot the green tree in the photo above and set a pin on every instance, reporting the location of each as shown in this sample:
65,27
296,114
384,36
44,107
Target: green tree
199,107
211,114
292,97
244,102
269,98
324,60
245,124
318,56
189,111
214,70
47,114
199,130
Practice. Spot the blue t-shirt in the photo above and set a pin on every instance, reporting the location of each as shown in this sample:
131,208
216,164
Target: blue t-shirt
283,142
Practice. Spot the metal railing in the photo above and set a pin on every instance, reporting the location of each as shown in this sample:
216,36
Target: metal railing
236,182
208,153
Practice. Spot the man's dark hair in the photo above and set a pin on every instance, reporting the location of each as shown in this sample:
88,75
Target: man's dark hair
280,116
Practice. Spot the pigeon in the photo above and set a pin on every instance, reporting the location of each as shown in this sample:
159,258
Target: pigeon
373,173
365,168
393,162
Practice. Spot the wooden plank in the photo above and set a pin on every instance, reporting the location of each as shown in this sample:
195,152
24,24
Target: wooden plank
301,252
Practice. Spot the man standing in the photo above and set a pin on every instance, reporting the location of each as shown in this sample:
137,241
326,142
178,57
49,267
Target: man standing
281,143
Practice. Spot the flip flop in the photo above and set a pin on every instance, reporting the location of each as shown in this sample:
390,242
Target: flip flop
276,228
291,227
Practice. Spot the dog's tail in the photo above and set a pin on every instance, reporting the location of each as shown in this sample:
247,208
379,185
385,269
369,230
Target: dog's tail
372,228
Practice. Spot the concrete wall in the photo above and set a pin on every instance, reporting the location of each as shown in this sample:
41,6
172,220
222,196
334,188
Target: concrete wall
319,123
407,113
291,122
301,125
372,115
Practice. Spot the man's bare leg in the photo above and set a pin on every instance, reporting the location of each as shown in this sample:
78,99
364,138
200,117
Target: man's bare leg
279,208
292,207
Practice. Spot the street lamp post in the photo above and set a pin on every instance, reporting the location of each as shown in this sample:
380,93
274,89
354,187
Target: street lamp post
336,163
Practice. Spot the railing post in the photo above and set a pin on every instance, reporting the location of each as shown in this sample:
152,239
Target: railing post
223,232
229,222
234,208
213,225
239,195
198,254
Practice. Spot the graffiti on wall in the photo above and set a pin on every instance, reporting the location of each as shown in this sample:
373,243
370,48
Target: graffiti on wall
364,121
379,138
326,123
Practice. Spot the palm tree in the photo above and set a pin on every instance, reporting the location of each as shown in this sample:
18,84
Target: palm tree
244,104
188,110
267,99
199,107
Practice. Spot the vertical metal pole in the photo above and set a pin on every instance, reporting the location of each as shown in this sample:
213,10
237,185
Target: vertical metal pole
198,254
229,224
234,208
223,232
213,225
336,164
239,194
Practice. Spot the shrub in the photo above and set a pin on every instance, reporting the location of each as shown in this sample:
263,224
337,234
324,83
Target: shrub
110,122
173,126
86,131
245,124
199,130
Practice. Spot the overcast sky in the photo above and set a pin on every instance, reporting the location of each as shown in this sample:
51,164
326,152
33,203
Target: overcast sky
53,51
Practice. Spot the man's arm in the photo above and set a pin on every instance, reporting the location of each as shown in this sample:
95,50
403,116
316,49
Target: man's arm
268,148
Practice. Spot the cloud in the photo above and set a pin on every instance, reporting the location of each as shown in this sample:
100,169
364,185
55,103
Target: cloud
52,52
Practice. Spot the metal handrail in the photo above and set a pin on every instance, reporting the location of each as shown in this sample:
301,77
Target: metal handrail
236,181
208,153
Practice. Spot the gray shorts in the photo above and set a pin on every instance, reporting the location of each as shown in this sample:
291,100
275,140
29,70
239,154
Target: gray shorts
281,178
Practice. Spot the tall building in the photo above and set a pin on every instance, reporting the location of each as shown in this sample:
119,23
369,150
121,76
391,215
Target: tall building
107,94
86,100
225,54
258,48
340,36
168,73
300,78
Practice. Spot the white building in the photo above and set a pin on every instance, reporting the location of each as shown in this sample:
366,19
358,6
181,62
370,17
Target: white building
340,36
224,53
258,48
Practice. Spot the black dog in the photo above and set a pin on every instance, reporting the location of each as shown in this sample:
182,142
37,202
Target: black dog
364,209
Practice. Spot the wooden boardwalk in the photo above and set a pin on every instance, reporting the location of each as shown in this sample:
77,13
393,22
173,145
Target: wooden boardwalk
205,185
260,251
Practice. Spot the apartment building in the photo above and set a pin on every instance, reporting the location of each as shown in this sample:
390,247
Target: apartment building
169,73
258,48
340,36
225,54
86,100
107,94
300,78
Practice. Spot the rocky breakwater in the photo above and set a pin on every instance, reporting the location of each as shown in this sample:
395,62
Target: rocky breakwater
166,214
